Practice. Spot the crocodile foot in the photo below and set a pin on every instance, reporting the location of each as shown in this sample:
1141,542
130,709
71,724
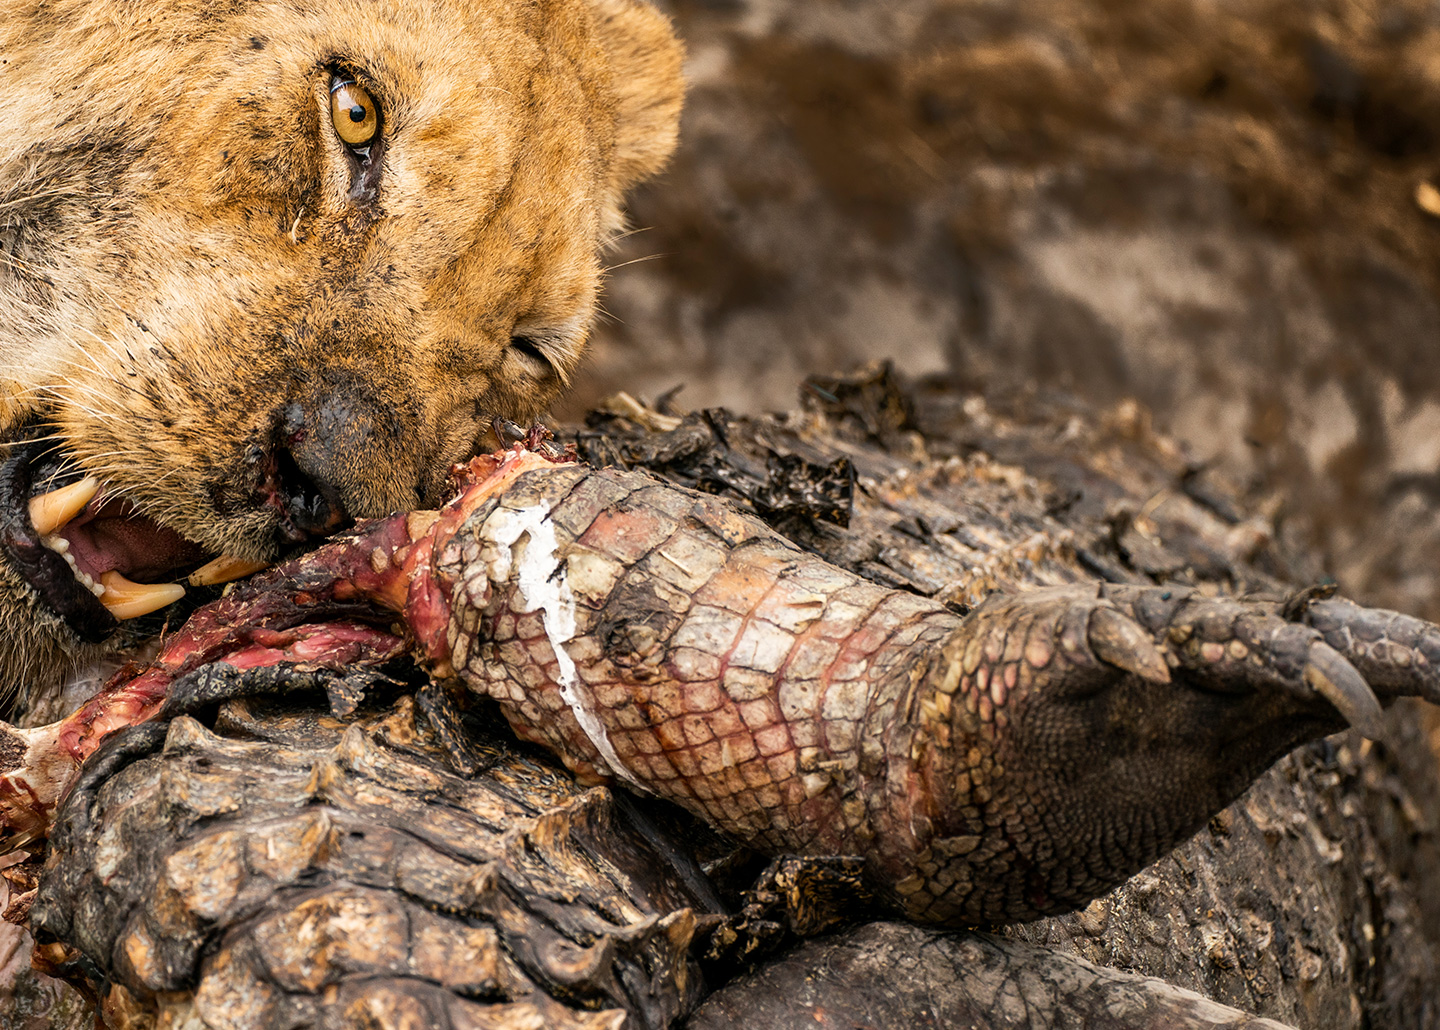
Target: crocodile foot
1105,724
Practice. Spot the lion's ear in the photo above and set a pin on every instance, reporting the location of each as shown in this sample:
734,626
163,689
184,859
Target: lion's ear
645,59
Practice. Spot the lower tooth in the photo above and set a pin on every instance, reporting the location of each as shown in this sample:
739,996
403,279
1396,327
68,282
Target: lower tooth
124,599
61,547
127,600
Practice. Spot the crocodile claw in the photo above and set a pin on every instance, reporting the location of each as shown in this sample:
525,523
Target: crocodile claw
1309,658
1398,655
1120,641
1333,678
1305,649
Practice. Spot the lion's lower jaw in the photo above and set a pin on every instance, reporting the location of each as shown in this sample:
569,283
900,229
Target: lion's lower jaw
45,671
41,672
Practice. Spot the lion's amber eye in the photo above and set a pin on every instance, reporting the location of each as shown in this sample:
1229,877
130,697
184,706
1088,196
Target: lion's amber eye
353,113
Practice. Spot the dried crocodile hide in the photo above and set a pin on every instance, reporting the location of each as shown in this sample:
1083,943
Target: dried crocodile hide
308,871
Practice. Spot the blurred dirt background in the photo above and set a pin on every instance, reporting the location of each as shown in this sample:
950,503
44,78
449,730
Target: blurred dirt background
1222,208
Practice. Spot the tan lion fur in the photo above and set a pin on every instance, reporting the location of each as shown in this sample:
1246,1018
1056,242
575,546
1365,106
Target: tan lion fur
181,257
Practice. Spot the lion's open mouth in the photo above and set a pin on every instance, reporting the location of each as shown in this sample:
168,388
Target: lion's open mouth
91,556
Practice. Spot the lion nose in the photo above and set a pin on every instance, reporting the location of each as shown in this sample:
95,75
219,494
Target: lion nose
300,478
309,505
333,453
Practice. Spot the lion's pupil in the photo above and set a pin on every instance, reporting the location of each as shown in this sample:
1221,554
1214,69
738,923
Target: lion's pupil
357,113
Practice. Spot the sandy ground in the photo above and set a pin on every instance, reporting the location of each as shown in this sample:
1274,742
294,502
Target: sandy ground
1222,209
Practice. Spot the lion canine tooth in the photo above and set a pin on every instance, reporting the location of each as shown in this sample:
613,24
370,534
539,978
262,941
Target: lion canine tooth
127,600
48,512
223,569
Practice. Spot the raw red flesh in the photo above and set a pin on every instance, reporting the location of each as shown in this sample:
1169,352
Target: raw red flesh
297,612
43,762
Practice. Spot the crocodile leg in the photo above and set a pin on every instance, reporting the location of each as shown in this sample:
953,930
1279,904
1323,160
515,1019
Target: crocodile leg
1009,764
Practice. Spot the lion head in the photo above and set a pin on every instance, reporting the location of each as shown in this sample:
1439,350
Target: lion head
266,268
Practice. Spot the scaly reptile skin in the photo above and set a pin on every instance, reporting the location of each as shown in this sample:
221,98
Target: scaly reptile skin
1008,764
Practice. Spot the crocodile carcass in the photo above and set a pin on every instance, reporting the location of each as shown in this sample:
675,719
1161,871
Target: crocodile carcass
1051,722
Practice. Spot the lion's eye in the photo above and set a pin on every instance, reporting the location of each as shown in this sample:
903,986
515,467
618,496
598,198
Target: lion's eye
353,113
